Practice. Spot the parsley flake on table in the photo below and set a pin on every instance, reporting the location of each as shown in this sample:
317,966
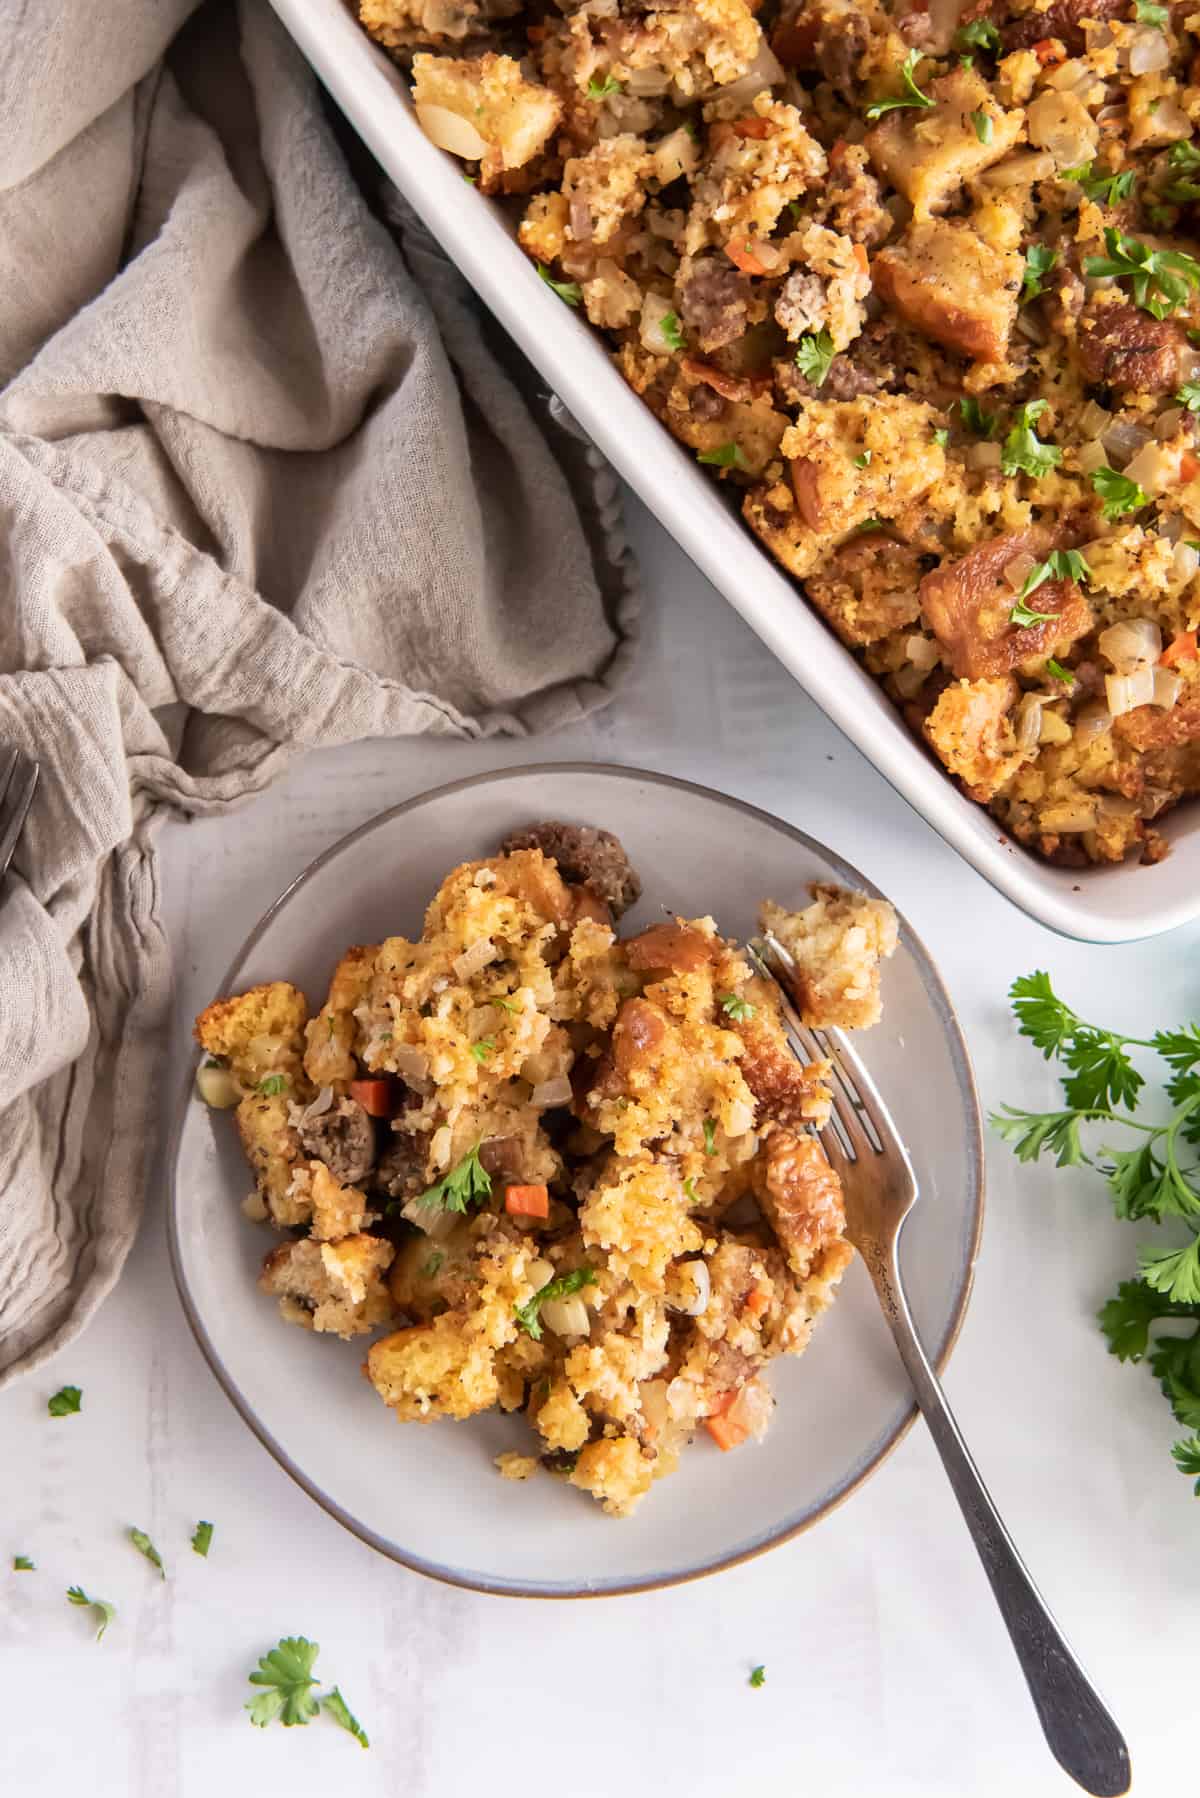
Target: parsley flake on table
600,90
1119,493
102,1609
527,1315
979,34
1039,260
273,1085
734,1006
912,95
758,1676
144,1546
65,1402
22,1564
1189,396
975,418
726,455
1160,280
671,331
335,1706
1154,1181
287,1678
710,1137
1023,451
983,126
569,292
469,1183
814,355
202,1537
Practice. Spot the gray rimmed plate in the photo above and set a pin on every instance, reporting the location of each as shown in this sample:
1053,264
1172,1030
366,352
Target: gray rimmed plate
429,1495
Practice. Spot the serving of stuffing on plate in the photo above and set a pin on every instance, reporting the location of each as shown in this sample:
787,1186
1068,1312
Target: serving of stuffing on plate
917,281
566,1172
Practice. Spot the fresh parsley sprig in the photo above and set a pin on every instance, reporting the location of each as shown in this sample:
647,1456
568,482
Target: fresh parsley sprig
1104,189
1159,280
1039,260
1023,451
286,1677
569,292
911,95
101,1609
527,1315
1157,1179
1118,492
814,356
1059,565
468,1183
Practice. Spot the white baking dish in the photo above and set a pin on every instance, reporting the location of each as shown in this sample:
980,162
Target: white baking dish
1109,905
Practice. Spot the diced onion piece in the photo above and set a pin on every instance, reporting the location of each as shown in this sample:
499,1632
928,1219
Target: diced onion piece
217,1087
1071,816
739,1118
983,455
1092,457
1167,424
694,1289
476,957
1125,692
1132,644
1123,440
539,1272
1115,805
552,1092
319,1106
647,84
655,307
765,71
1148,52
653,1395
411,1063
450,131
1094,420
922,652
1062,125
566,1317
909,680
1029,325
752,1409
1092,721
1055,728
431,1220
1028,722
1020,170
943,16
1154,468
1167,688
1184,562
674,155
1017,571
1170,120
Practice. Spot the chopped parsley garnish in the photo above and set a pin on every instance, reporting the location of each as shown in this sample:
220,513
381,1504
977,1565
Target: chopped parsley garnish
1056,671
814,355
65,1402
734,1006
430,1267
672,334
1038,262
1108,190
527,1314
273,1085
1160,280
1023,451
863,461
710,1137
202,1537
287,1680
1119,493
870,524
1023,615
976,419
1152,1181
1146,13
758,1677
1060,565
983,126
912,95
144,1546
1189,396
689,1190
483,1048
22,1564
1184,155
335,1706
502,1002
101,1608
467,1184
980,34
600,90
726,455
941,437
570,292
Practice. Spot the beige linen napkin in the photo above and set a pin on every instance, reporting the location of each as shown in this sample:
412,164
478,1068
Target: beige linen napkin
267,480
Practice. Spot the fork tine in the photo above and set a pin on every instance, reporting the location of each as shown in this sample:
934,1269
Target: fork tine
8,767
14,813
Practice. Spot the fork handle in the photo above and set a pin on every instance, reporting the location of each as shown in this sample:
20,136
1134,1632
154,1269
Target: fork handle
1081,1734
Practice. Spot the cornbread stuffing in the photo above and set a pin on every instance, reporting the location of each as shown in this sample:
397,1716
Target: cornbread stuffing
566,1172
918,283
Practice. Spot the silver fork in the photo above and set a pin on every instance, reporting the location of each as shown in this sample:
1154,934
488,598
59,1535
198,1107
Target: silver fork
864,1148
18,784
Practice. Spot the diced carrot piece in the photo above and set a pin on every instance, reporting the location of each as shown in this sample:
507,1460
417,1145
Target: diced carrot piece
1189,466
759,128
1180,649
1049,50
377,1097
527,1201
757,1302
725,1432
743,257
860,256
535,33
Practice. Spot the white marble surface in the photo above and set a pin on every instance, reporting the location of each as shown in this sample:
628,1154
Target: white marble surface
887,1668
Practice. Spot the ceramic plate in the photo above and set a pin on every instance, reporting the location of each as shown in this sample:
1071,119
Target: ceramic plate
428,1495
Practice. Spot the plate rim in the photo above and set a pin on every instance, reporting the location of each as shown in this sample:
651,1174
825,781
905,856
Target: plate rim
975,1179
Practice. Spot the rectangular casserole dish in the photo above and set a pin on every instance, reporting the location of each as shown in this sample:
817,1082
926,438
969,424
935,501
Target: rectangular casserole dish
1101,904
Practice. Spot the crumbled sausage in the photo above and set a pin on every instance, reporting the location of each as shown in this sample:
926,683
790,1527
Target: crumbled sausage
714,301
801,304
868,588
343,1138
1063,20
1121,346
401,1169
584,856
800,1195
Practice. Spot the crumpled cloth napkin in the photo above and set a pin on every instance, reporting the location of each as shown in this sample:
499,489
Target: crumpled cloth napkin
268,479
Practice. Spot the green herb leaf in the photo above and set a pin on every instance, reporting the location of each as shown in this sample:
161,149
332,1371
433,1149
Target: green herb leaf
429,1268
758,1676
983,126
726,455
336,1707
941,437
273,1085
1146,13
467,1184
504,1003
286,1675
569,292
1160,280
527,1315
1056,671
689,1190
1038,262
600,90
1119,493
144,1546
1175,1273
483,1048
710,1137
814,355
202,1537
1187,1458
672,331
65,1402
1102,1073
1059,565
101,1609
22,1564
980,34
1031,1134
976,419
1189,396
1127,1317
870,524
863,461
1107,190
1023,451
735,1007
911,96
